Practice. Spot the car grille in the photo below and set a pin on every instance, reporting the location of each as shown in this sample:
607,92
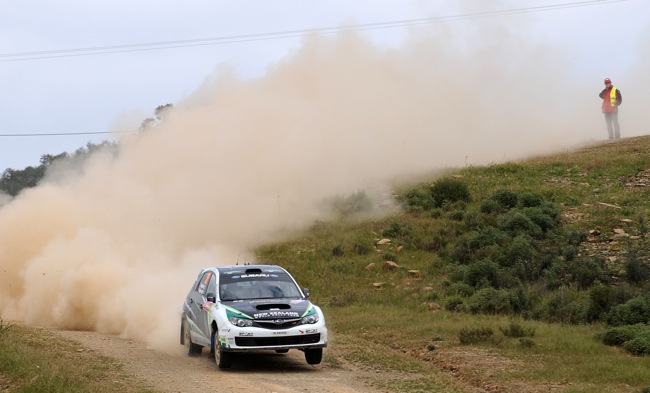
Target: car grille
276,324
277,341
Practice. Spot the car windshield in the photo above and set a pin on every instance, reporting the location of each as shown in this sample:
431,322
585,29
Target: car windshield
258,286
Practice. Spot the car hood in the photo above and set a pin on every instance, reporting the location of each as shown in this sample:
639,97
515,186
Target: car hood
272,308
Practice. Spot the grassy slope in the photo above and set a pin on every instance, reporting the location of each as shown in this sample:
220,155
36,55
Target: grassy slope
35,360
389,324
392,322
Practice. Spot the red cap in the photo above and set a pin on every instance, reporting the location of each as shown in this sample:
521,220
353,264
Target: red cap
607,80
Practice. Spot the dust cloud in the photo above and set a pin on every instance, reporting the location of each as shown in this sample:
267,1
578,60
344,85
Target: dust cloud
115,246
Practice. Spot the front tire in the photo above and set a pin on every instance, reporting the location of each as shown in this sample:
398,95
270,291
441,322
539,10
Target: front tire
222,358
192,349
314,356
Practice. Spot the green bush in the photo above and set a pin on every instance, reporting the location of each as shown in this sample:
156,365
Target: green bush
490,301
530,199
482,273
586,271
539,217
617,336
397,230
517,223
505,198
362,248
357,202
635,270
417,199
454,303
456,215
634,311
519,250
475,335
526,342
449,190
461,289
490,206
516,330
434,243
640,345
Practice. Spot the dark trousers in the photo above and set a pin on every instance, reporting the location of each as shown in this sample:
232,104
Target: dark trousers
614,130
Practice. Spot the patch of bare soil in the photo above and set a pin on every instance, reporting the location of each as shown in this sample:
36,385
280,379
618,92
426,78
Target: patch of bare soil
483,370
260,372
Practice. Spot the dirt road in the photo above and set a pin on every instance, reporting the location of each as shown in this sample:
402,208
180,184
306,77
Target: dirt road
261,372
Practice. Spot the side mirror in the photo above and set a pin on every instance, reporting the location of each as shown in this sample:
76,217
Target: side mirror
306,292
211,297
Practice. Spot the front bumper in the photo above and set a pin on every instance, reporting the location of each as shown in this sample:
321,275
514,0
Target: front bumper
233,338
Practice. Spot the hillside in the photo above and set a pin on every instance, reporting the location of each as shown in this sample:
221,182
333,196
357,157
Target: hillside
488,268
528,276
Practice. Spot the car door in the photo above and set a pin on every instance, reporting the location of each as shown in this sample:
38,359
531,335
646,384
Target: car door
197,314
207,285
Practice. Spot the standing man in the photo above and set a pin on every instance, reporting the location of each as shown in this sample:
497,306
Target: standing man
611,100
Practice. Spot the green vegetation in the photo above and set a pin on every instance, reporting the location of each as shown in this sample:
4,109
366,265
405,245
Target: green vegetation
522,276
35,360
531,261
13,181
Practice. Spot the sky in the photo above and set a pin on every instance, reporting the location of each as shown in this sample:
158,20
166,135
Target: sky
96,93
263,131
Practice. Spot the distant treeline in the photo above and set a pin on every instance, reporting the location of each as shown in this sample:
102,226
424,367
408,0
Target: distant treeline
14,181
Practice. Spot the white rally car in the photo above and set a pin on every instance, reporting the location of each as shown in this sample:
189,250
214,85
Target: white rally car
251,307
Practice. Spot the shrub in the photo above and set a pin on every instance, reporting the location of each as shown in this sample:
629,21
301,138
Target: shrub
490,206
435,243
481,272
454,303
489,301
417,199
586,271
362,248
475,335
520,250
516,330
337,251
526,342
634,311
354,203
505,198
456,215
530,199
517,223
640,345
4,327
474,245
539,217
395,230
449,190
461,289
635,270
617,336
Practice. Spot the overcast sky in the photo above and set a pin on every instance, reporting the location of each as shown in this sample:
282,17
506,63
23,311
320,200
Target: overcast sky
106,92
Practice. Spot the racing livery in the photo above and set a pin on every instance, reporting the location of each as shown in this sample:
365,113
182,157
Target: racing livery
251,307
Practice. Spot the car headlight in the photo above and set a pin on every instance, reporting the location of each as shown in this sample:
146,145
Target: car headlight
241,322
309,319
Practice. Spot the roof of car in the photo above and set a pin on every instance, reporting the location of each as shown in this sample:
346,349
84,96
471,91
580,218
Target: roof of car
248,269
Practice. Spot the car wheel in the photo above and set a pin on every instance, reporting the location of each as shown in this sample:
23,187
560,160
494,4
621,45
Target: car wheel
223,358
281,350
192,349
314,356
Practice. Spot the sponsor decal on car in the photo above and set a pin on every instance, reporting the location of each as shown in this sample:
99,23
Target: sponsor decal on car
276,314
245,334
279,333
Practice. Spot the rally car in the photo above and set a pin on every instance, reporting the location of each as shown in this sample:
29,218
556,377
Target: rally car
250,307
